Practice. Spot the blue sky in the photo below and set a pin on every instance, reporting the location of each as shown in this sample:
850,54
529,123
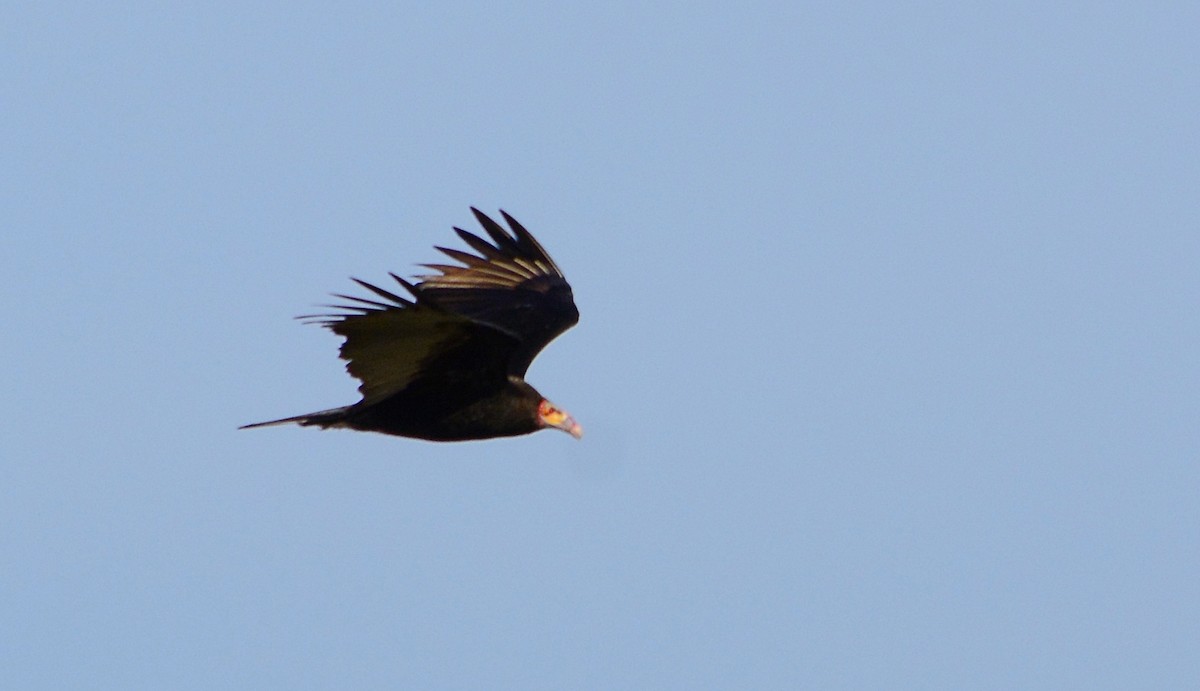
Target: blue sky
887,357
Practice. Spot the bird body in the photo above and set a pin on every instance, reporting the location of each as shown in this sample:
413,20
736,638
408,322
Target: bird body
448,364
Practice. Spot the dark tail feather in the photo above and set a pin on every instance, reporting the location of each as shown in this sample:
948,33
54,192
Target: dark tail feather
334,417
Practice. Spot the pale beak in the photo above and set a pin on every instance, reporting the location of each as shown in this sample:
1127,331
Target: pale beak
551,415
571,427
568,425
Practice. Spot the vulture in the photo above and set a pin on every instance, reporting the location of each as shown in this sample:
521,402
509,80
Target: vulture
447,361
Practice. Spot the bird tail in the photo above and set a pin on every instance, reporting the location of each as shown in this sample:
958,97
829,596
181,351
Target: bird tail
334,417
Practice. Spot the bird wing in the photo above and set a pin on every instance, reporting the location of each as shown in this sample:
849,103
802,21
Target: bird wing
512,286
394,341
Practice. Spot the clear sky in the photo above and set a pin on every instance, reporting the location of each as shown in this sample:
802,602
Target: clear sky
887,360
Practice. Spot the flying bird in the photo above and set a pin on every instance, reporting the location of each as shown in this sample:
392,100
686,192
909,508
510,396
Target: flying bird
447,362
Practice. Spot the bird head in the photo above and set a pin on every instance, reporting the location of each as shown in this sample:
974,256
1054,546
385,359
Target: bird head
550,415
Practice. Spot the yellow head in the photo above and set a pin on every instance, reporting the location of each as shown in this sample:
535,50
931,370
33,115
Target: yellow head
550,415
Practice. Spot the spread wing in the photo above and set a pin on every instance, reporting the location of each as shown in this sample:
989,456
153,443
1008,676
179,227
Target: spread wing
392,342
512,286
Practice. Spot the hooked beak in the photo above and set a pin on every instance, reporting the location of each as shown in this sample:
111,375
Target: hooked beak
551,415
559,419
571,427
576,430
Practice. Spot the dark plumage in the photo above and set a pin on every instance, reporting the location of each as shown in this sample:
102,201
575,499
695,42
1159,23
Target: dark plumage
448,363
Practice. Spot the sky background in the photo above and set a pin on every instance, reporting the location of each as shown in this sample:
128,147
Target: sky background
887,359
